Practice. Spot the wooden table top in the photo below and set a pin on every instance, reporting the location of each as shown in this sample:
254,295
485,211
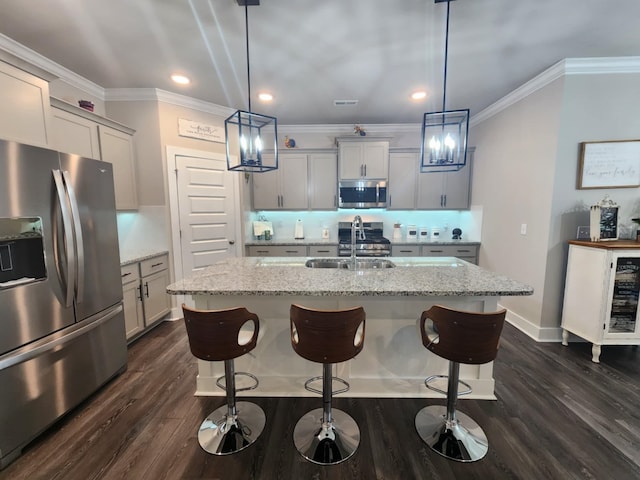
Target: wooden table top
613,244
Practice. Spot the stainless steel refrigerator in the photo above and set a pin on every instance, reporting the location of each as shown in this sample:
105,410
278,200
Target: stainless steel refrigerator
62,331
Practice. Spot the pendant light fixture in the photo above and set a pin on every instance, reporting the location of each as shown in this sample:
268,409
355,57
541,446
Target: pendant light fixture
444,133
250,133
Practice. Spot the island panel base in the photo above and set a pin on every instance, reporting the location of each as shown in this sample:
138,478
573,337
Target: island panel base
392,364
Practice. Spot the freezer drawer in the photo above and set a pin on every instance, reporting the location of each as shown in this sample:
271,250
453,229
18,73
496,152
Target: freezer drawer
41,384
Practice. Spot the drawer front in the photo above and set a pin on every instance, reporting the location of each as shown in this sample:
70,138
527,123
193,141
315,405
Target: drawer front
153,265
323,251
405,250
290,251
449,250
278,251
130,273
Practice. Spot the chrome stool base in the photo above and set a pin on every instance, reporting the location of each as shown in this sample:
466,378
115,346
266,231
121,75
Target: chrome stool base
326,444
221,434
460,439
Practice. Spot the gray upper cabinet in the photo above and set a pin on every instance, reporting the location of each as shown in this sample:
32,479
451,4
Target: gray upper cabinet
403,170
409,189
81,132
24,106
285,188
363,159
444,190
323,181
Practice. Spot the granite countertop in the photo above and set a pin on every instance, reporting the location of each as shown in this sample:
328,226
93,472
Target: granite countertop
441,242
412,276
291,241
127,258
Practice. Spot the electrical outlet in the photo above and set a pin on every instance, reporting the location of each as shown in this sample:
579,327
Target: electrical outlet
523,229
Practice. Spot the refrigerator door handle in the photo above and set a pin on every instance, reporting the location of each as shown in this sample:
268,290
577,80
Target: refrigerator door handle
68,239
77,229
12,360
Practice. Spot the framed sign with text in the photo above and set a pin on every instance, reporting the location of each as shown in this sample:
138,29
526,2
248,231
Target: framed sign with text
613,164
201,131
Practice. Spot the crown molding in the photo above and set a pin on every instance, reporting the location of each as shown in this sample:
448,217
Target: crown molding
155,94
347,128
568,66
34,58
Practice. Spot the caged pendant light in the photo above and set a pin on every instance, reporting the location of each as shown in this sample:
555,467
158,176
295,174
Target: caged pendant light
255,132
444,134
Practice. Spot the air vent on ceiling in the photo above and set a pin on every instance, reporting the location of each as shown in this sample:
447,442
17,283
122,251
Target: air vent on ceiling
344,103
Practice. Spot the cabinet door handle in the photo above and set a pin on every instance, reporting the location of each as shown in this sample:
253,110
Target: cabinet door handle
463,251
406,251
322,251
140,292
435,251
444,197
146,289
125,274
154,265
365,169
291,251
335,200
262,251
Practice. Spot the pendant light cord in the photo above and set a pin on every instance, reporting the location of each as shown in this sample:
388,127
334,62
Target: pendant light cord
446,54
246,30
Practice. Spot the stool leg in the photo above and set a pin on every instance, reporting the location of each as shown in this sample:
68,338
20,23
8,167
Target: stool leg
448,432
326,435
232,427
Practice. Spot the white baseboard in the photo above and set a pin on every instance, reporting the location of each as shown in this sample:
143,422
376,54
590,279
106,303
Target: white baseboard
539,334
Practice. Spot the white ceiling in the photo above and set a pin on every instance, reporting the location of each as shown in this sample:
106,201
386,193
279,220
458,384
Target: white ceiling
308,53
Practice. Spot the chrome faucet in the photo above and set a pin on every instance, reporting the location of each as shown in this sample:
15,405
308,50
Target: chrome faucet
356,225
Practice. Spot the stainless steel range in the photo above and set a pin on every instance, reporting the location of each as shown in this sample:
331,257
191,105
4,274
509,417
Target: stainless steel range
369,240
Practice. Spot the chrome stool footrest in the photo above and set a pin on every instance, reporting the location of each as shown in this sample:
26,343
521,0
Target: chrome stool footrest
333,392
444,392
220,384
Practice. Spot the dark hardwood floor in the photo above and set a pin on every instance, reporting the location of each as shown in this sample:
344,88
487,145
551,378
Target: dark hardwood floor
558,416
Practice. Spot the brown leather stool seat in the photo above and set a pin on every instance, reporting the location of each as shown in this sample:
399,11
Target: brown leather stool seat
460,337
327,436
222,335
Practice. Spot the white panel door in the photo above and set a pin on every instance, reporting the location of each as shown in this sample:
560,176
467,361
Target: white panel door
206,212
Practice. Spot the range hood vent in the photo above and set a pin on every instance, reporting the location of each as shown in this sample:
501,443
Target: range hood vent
344,103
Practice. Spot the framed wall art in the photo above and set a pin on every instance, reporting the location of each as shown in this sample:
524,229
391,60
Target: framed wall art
611,164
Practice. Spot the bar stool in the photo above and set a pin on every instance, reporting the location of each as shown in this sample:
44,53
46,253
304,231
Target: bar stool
460,337
222,335
327,436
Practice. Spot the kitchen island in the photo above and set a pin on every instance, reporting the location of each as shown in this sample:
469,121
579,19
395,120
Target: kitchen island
393,362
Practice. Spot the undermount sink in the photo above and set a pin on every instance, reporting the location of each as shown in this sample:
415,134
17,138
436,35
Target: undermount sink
348,264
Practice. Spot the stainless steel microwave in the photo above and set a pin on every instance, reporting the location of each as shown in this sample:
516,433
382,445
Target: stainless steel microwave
362,193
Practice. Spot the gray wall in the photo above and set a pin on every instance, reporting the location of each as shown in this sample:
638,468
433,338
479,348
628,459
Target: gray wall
525,172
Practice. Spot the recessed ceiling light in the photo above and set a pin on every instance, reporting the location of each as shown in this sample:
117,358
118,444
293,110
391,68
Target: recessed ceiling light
419,95
265,97
181,79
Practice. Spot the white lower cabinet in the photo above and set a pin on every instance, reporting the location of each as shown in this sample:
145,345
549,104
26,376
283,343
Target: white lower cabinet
132,300
144,287
601,294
